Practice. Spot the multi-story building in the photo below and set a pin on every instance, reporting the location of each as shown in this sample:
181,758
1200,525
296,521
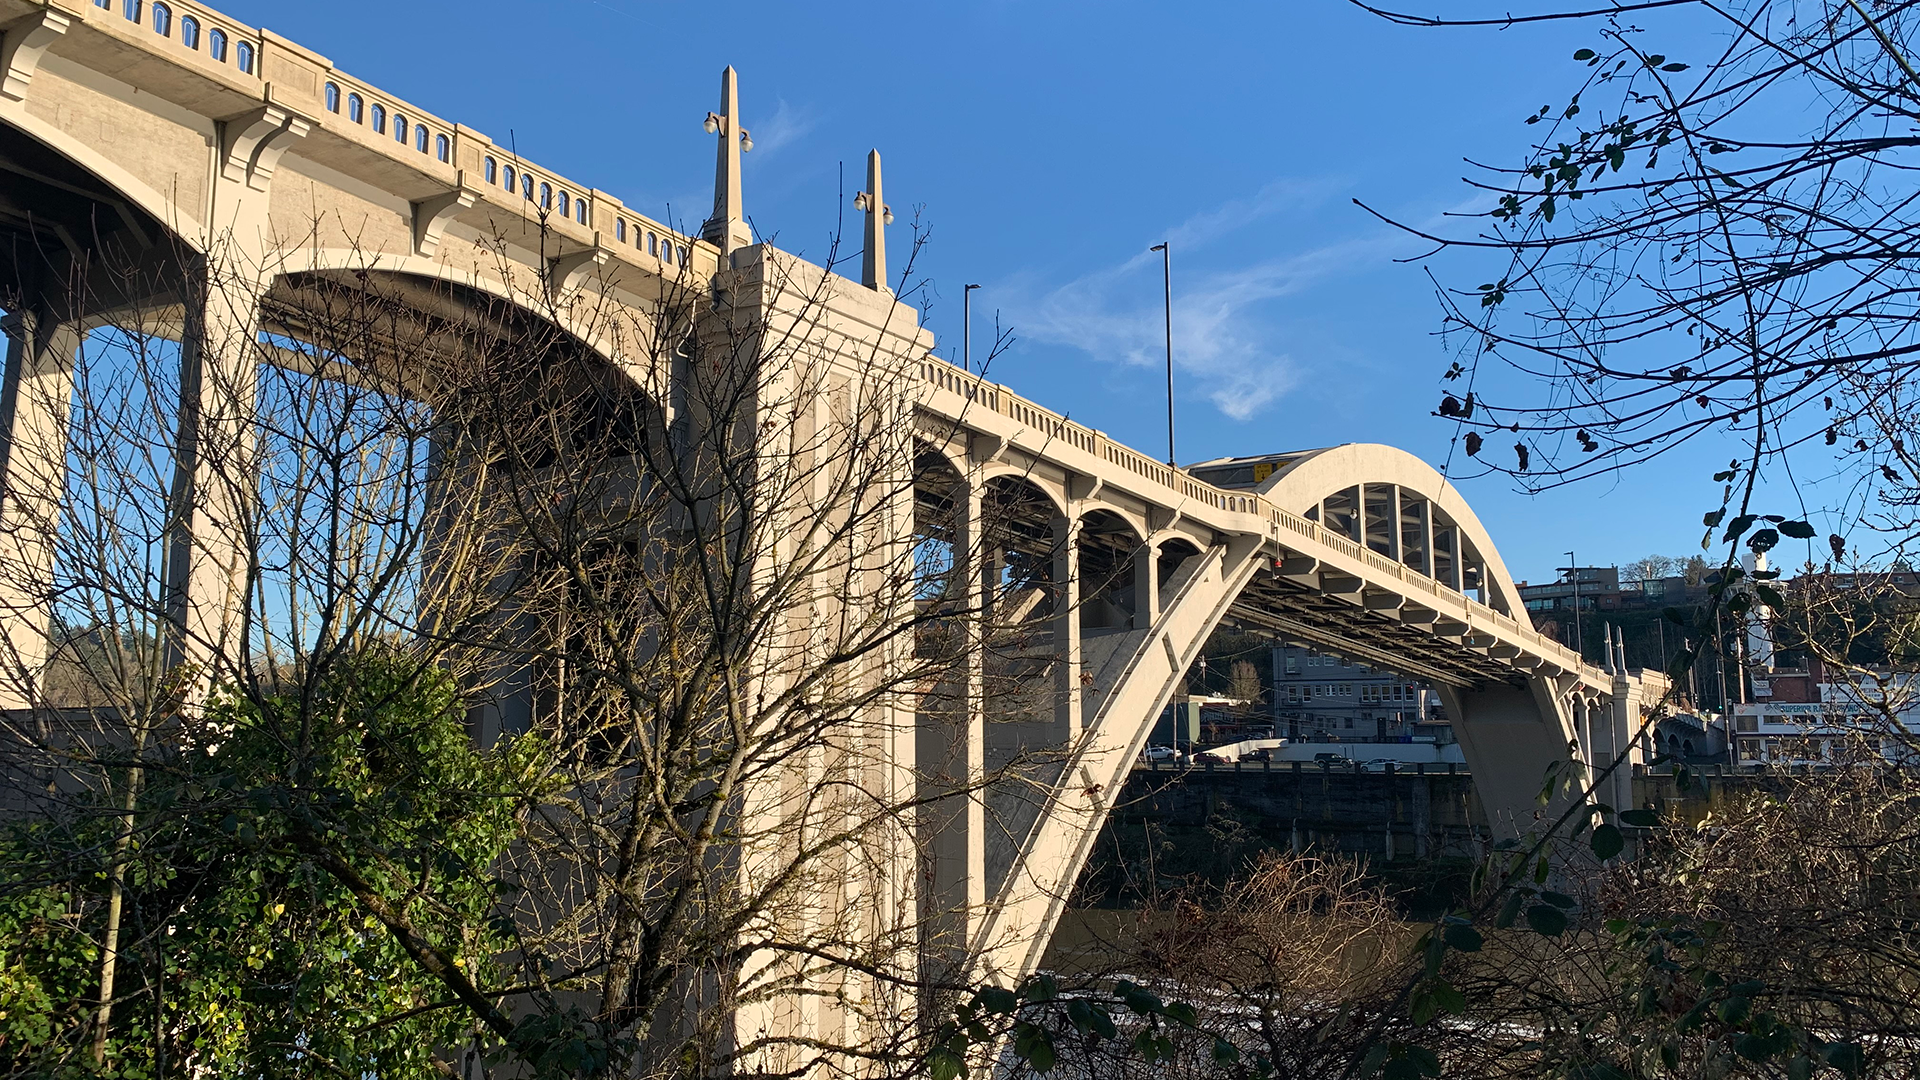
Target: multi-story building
1813,715
1316,696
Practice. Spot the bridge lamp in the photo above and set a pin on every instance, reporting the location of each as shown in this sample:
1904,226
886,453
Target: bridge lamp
966,327
1166,270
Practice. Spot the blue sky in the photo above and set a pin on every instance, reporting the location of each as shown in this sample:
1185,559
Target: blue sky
1049,146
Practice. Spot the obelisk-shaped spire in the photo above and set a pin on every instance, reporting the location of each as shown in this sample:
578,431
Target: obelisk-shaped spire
873,264
727,228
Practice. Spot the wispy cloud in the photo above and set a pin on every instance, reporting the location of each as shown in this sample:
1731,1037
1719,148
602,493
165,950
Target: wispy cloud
1222,323
788,125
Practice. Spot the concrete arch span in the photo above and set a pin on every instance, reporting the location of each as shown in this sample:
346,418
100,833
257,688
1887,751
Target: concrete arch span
1306,480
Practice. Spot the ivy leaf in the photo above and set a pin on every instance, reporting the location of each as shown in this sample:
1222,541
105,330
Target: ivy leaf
1546,920
1765,540
1799,530
1464,938
1607,842
1770,597
1510,911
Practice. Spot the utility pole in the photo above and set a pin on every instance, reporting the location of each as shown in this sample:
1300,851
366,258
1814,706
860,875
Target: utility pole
1166,273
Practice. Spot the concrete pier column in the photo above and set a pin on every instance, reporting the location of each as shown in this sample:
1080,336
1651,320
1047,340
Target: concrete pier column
1146,586
34,405
957,871
1066,627
215,494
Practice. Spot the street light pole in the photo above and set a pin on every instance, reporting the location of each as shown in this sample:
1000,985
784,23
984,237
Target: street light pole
1166,273
966,327
1573,575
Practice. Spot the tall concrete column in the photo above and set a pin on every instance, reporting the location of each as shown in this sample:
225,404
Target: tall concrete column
1066,626
214,527
957,885
1146,586
34,406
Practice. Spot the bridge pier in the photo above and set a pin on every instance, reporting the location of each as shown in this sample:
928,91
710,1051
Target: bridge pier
211,552
34,406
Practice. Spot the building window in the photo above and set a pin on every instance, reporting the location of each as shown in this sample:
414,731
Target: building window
508,181
356,109
333,98
443,149
131,9
399,127
420,138
379,118
526,186
189,31
620,230
580,211
546,196
566,205
217,44
653,244
683,255
163,20
493,171
243,57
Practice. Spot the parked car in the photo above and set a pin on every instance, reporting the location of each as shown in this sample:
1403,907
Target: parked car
1261,754
1211,758
1158,753
1327,759
1380,765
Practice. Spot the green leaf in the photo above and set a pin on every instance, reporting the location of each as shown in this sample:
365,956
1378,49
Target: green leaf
998,1000
1770,596
1464,938
1559,900
945,1064
1765,540
1847,1057
1735,1009
1673,67
1607,842
1510,911
1224,1052
1738,527
1546,920
1641,818
1584,54
1799,530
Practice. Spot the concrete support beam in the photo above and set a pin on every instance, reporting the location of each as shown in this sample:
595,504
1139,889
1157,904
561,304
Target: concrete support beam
1066,627
431,216
34,405
25,43
1146,585
1380,600
210,554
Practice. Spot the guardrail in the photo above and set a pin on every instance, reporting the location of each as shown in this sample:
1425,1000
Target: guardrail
198,37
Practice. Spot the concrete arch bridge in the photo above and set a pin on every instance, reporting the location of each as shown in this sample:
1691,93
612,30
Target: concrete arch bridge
143,146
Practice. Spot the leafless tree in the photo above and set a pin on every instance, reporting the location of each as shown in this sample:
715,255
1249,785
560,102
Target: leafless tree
674,551
1709,237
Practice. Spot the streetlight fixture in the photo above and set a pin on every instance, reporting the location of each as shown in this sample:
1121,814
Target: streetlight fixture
1166,273
966,327
1573,575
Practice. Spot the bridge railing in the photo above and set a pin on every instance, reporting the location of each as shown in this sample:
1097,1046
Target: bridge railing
193,35
997,398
